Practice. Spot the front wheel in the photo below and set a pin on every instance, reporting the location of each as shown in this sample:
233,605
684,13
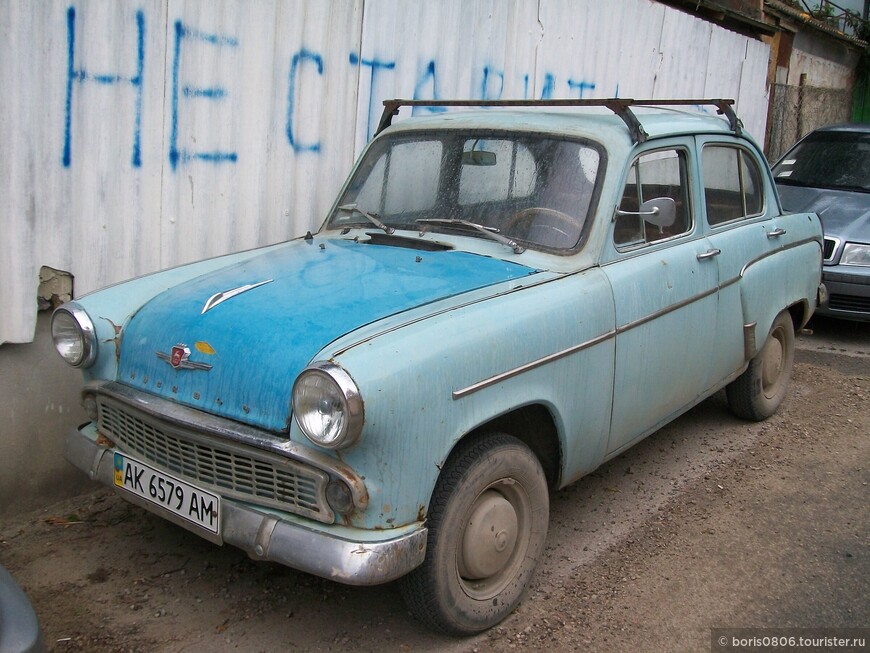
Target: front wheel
758,392
487,524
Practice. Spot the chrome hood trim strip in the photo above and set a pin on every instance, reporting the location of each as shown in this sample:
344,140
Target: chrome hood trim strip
221,297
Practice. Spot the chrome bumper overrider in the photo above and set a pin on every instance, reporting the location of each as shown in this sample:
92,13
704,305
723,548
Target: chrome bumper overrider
822,295
265,536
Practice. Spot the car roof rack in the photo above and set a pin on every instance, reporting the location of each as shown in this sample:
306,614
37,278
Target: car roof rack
620,106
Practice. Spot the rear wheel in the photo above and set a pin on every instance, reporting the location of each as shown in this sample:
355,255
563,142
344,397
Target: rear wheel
487,525
757,393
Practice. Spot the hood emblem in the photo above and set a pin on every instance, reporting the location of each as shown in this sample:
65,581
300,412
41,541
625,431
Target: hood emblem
221,297
179,359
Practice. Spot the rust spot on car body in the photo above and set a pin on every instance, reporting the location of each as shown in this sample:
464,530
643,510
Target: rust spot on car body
116,340
103,441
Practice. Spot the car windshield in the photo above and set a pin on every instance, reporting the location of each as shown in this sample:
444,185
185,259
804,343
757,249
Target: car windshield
828,159
512,188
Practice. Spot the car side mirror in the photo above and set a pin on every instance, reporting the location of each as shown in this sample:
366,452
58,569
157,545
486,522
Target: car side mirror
660,212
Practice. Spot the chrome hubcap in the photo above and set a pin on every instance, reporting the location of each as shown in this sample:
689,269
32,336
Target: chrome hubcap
489,538
772,364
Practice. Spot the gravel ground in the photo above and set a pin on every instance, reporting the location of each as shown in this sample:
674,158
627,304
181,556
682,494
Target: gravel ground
711,522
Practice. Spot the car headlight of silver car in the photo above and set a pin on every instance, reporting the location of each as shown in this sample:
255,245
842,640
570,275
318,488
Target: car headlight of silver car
855,254
74,335
327,406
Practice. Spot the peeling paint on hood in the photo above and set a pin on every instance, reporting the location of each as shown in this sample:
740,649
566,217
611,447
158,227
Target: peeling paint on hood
258,341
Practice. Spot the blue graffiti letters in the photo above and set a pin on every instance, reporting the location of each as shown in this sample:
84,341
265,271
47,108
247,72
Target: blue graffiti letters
376,77
376,65
484,87
80,75
301,57
178,154
582,86
422,84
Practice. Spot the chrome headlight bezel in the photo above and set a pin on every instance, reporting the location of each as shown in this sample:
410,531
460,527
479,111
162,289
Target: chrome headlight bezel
326,386
70,323
857,254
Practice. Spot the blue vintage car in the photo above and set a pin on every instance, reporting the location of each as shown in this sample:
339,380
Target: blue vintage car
499,301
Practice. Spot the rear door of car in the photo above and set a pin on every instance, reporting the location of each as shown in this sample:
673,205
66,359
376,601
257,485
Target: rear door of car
740,216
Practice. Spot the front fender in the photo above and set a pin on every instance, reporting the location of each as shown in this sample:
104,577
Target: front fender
428,384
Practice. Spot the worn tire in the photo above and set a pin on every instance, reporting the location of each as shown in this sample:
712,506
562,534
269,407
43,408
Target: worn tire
757,393
487,524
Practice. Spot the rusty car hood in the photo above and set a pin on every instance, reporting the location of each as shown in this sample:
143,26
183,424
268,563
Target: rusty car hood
232,342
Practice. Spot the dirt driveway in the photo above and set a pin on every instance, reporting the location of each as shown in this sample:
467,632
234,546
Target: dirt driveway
711,522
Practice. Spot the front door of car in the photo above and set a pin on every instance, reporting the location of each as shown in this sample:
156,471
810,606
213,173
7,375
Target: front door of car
664,279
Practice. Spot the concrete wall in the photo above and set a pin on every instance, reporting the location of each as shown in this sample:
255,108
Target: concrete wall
40,404
826,61
141,135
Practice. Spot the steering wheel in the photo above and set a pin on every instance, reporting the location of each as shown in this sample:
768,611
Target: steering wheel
527,215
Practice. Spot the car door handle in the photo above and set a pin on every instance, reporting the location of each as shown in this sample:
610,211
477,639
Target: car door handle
776,233
710,253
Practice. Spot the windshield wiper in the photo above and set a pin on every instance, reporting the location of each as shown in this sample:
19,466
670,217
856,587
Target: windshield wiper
371,217
789,181
847,187
489,232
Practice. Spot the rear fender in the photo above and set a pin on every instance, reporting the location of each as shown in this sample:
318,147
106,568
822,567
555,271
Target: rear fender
790,279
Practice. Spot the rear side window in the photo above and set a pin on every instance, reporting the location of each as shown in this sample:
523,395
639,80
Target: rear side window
733,187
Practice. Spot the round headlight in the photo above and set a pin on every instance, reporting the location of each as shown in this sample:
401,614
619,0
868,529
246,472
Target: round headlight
327,406
74,335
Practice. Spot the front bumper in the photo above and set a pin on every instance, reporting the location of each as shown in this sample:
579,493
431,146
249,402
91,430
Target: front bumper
342,554
848,292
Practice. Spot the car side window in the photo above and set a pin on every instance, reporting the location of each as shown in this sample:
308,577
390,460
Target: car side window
655,200
733,187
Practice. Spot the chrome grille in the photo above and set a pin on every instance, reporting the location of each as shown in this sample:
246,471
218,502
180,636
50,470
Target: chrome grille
227,468
829,249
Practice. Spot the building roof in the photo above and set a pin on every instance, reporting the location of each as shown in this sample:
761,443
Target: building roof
811,21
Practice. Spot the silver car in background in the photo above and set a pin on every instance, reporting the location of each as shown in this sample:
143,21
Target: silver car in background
828,172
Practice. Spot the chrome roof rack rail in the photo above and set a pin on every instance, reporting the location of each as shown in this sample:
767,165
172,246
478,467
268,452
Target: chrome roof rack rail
620,106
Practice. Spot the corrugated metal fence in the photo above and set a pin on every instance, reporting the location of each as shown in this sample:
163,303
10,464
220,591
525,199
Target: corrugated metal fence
140,135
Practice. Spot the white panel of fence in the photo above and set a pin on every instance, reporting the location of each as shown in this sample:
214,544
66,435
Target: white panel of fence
138,136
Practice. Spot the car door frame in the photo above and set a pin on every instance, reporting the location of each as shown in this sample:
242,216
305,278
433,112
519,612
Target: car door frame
664,293
742,242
